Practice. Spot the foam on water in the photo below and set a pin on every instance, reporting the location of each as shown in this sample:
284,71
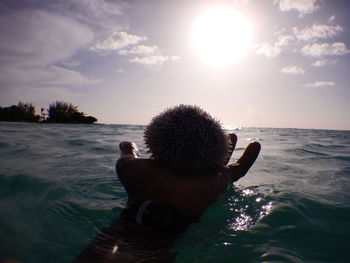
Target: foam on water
58,189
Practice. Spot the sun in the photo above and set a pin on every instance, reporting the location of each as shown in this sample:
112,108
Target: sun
221,36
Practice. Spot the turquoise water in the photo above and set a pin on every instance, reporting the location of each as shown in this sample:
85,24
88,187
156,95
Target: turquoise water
58,189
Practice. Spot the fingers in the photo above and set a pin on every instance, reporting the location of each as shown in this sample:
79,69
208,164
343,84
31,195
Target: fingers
242,166
128,149
232,144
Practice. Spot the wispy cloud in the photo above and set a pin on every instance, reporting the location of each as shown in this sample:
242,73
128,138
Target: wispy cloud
325,49
323,62
96,8
128,44
302,6
276,47
268,50
153,60
318,31
44,77
320,63
120,70
104,16
119,40
71,63
294,70
331,19
37,37
140,49
34,42
317,84
284,40
59,76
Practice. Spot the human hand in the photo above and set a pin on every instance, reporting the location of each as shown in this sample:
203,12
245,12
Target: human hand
232,144
128,150
241,167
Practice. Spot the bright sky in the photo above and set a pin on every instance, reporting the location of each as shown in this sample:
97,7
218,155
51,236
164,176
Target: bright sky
266,63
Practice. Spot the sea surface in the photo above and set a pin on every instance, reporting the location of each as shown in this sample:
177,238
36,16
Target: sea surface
58,189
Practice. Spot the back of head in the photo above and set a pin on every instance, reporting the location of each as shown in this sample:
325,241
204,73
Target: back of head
187,137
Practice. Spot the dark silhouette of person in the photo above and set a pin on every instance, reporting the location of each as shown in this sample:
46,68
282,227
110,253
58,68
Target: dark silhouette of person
186,173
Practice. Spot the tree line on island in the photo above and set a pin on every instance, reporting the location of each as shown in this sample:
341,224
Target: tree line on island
57,112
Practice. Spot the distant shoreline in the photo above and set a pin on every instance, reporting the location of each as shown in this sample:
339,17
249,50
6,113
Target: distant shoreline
57,112
143,125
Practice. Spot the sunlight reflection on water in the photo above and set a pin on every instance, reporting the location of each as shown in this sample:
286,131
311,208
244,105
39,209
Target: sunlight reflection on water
247,214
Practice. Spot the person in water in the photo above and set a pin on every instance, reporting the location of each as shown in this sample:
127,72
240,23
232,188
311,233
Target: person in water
187,172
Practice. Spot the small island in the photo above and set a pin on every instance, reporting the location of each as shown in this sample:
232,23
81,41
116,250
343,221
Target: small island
57,112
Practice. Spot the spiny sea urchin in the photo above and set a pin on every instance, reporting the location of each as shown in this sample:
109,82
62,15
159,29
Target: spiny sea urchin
187,137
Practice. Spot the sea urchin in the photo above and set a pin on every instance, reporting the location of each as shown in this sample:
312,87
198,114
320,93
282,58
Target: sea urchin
187,137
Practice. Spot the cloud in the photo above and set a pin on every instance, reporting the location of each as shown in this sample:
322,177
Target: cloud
318,31
96,8
268,50
317,84
71,63
105,16
33,41
37,37
44,77
320,63
126,44
302,6
325,49
153,60
140,49
59,76
331,19
323,62
293,70
284,40
119,40
120,70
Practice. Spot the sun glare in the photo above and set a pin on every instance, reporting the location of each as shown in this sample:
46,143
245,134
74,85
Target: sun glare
221,36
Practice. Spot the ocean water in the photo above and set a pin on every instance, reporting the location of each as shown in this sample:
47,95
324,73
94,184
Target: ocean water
58,189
